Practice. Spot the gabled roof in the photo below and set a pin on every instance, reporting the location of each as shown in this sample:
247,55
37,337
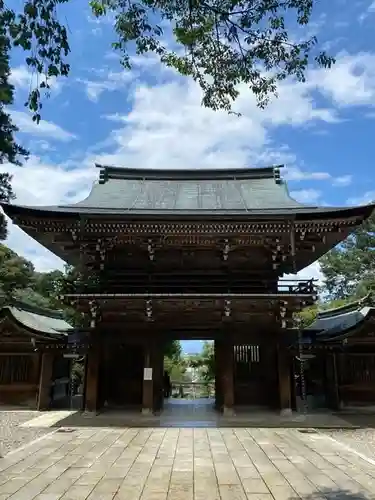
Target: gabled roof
335,323
37,321
255,191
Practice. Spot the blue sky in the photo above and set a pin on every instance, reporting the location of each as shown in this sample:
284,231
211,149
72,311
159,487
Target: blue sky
322,130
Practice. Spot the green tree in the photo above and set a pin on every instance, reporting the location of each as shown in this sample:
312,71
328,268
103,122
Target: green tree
31,297
349,269
307,316
6,194
46,284
173,351
10,151
15,271
218,43
204,362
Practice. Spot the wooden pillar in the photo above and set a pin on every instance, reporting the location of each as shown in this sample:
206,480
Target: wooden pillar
148,382
45,381
158,376
227,363
332,382
284,369
92,381
218,374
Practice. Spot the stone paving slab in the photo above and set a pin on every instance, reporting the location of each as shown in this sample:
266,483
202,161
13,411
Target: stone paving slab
48,419
186,464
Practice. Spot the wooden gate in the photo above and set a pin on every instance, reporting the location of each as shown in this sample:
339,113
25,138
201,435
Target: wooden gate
123,376
248,375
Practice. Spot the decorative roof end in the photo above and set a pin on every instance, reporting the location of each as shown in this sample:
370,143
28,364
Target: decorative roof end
276,174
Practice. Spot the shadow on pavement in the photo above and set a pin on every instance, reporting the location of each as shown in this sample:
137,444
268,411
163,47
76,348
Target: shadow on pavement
192,417
329,494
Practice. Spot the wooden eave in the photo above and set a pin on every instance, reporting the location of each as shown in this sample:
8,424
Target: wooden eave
356,335
45,223
8,320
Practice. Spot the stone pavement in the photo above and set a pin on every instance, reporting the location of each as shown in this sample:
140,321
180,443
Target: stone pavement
185,464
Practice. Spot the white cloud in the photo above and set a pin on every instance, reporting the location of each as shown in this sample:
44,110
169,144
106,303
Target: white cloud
293,173
364,15
113,80
350,82
39,183
296,174
22,78
344,180
43,259
44,128
306,196
167,127
65,185
313,271
366,198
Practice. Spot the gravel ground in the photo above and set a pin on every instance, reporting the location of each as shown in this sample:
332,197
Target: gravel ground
361,440
11,435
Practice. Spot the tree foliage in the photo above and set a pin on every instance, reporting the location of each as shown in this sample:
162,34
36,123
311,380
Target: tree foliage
218,43
10,151
204,362
6,194
173,351
15,272
349,269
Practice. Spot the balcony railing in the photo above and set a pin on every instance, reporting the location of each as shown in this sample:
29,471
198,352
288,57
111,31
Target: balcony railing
206,287
297,287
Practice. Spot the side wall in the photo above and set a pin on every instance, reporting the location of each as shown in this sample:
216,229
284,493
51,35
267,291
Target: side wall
19,378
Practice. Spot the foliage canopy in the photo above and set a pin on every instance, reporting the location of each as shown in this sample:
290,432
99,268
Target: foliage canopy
218,43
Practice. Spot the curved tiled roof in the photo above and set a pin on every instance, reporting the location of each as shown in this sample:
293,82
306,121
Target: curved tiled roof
179,190
333,323
208,192
38,321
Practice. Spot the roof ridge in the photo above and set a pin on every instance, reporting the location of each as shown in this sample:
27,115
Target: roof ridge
111,172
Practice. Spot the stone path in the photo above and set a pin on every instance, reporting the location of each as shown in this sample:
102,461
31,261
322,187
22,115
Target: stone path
185,464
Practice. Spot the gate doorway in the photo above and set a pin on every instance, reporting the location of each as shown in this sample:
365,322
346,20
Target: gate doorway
189,381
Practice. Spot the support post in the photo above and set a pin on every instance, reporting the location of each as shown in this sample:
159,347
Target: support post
335,382
92,381
218,374
45,381
228,377
148,382
158,376
284,370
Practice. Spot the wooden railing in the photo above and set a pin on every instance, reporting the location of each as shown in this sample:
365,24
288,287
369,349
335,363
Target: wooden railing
159,284
192,390
297,287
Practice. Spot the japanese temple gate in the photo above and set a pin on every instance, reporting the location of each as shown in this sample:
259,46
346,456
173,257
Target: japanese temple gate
176,254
